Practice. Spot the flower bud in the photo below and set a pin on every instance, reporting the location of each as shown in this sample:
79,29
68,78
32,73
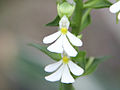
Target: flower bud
65,9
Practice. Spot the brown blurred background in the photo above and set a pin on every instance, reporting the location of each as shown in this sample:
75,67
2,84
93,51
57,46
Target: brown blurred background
22,66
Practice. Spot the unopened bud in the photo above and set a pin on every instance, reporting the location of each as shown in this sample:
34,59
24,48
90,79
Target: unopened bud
65,9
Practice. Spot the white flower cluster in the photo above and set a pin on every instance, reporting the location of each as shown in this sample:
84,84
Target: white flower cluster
62,43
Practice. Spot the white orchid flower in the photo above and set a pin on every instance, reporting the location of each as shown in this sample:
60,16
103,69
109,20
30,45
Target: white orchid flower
115,8
62,71
62,38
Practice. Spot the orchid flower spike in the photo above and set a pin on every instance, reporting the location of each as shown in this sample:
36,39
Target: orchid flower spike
62,38
62,70
115,8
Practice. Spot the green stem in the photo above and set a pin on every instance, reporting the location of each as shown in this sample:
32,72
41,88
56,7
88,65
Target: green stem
77,17
66,86
117,20
84,17
89,62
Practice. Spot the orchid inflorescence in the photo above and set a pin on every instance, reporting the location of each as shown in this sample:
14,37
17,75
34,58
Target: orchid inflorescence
62,43
65,43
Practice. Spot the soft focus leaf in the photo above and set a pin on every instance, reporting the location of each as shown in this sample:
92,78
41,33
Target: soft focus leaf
77,16
88,64
54,56
92,63
55,22
86,19
96,4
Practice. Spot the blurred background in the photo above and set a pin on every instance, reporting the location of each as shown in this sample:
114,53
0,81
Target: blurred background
22,66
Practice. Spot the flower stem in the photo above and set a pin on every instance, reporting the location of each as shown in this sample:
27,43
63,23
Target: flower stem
89,62
66,86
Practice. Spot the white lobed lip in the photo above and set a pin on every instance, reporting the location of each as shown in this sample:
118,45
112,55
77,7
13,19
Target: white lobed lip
115,7
53,67
51,38
62,43
75,69
74,40
62,72
68,47
56,76
57,46
66,76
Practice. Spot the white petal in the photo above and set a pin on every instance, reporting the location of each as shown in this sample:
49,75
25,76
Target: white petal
53,67
56,76
74,40
119,16
68,48
115,7
64,22
75,69
51,38
57,46
66,76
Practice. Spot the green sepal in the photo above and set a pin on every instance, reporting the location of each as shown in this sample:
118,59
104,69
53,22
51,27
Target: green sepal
96,4
55,22
54,56
65,8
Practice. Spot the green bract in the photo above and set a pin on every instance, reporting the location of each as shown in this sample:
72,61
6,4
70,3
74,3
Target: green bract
65,9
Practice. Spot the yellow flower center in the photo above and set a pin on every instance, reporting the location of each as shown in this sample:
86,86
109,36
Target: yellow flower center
64,30
65,59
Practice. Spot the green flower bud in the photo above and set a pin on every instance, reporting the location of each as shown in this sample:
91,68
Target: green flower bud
65,9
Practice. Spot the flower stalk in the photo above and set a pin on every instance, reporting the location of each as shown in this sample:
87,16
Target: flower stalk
66,87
